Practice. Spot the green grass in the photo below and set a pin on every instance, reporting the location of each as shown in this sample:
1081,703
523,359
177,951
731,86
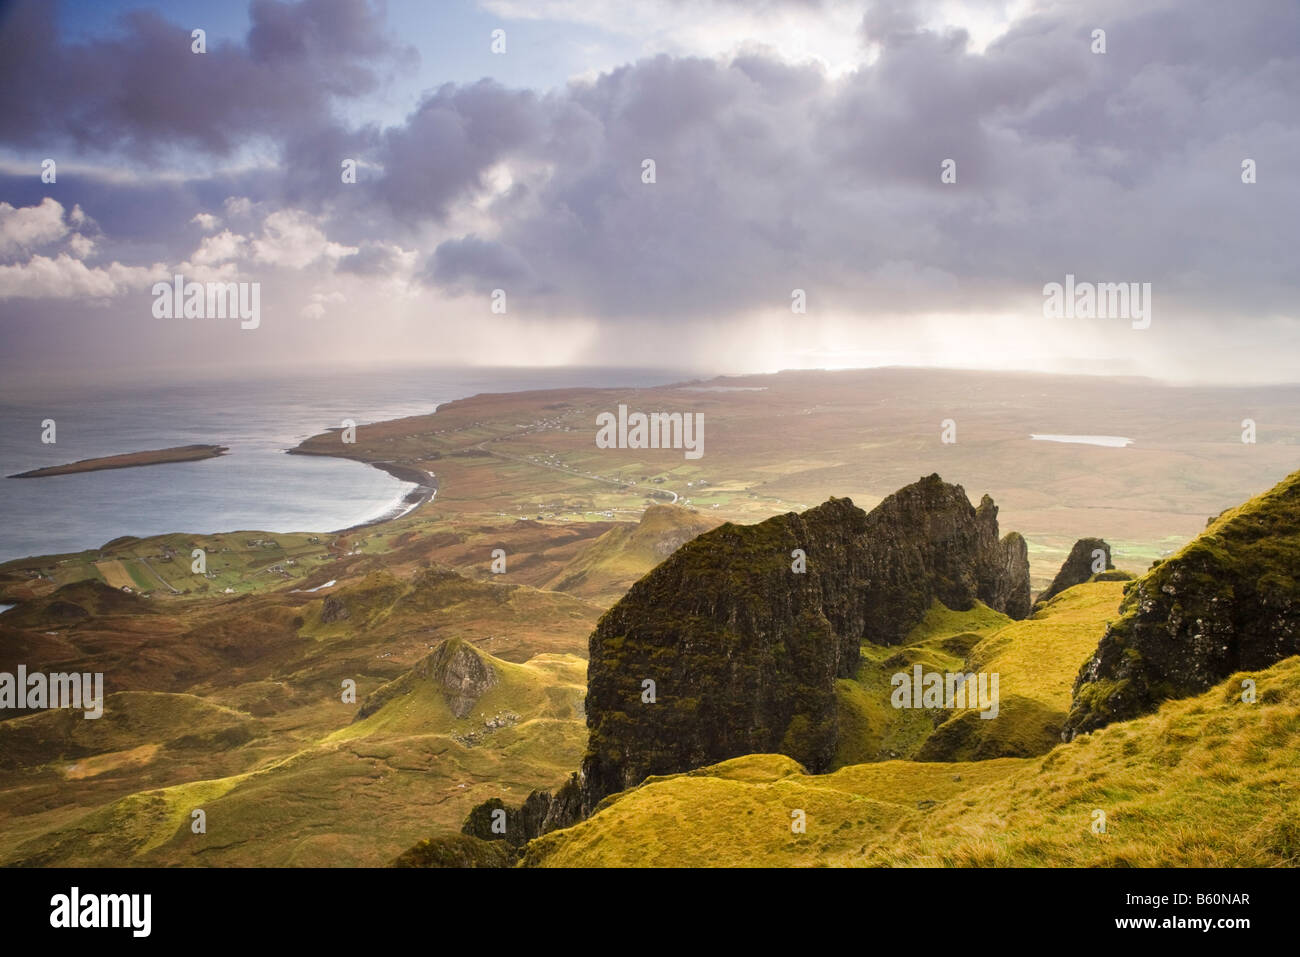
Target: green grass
130,719
941,621
231,562
1036,661
356,795
871,729
1208,781
547,687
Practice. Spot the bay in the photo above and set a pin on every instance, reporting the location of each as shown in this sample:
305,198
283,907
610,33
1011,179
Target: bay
255,486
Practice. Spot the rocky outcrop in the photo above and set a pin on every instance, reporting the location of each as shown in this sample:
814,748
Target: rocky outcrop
543,811
1228,602
726,649
455,850
455,667
1079,566
1004,565
334,609
733,644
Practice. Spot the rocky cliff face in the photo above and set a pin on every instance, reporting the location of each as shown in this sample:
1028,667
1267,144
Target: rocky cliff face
1078,567
725,649
1229,601
1004,565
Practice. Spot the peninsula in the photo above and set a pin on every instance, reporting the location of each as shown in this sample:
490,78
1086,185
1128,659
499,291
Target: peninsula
127,460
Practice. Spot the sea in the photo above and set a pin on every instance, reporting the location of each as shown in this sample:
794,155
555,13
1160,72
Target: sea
255,486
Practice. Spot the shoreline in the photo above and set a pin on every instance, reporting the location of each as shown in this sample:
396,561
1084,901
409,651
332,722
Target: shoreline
426,487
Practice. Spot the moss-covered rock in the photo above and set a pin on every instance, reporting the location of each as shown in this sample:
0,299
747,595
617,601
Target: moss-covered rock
543,811
1229,601
458,669
1079,566
744,651
456,850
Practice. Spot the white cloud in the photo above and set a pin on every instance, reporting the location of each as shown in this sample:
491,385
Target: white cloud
293,238
207,222
829,34
80,246
315,309
238,206
220,248
64,277
30,227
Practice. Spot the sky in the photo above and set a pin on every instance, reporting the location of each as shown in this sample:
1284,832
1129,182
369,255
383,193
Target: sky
835,184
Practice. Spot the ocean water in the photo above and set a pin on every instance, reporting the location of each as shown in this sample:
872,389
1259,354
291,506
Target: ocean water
255,486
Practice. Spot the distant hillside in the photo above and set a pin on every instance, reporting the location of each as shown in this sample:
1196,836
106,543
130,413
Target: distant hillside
611,564
418,753
257,731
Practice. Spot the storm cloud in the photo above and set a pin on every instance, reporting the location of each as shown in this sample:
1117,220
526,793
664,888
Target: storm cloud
771,174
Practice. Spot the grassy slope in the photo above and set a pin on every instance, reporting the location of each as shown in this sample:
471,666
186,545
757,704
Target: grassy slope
870,728
1036,662
357,796
1208,781
251,730
605,570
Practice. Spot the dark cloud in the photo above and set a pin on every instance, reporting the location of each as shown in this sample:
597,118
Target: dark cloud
447,144
371,259
475,264
770,175
145,92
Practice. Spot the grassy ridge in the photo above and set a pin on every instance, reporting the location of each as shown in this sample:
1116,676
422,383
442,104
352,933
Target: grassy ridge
1036,661
1207,781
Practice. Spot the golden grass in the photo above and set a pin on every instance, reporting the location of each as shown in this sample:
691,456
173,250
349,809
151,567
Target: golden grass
1207,781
